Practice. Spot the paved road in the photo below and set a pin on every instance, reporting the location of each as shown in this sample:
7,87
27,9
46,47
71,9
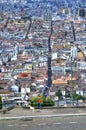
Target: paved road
55,123
26,112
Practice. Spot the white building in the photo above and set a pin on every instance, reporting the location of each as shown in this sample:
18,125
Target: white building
74,53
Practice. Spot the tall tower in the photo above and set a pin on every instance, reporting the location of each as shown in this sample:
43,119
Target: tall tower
81,12
47,14
74,53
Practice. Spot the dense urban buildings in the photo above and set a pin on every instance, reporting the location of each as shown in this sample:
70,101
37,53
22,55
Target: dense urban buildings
42,47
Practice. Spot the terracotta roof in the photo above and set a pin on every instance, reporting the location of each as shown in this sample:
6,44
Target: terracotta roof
63,80
59,81
69,78
23,75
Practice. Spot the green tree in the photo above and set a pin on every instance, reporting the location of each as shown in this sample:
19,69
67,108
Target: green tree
67,95
59,94
49,102
0,102
34,101
77,97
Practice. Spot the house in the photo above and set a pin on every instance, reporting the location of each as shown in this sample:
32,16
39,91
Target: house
59,81
81,91
58,70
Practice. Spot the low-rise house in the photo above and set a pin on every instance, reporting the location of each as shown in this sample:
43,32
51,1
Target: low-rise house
81,91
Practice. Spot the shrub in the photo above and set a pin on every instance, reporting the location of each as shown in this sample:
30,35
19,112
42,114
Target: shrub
0,102
45,101
49,102
59,94
34,101
67,95
77,97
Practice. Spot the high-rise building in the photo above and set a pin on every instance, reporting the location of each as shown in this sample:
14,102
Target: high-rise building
81,12
47,14
67,11
74,52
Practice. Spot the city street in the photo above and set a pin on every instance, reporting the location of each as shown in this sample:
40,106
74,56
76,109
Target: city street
55,123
